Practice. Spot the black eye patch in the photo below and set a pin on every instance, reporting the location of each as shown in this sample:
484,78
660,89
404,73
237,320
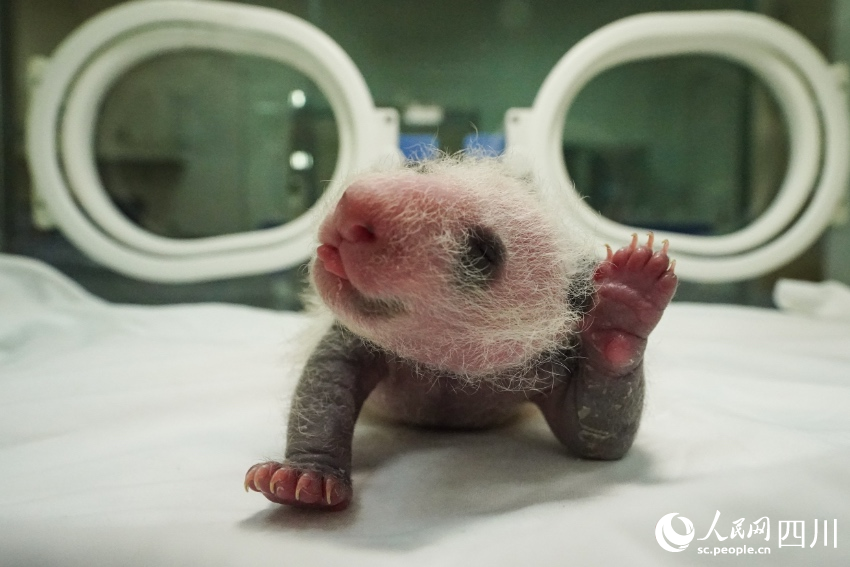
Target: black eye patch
482,253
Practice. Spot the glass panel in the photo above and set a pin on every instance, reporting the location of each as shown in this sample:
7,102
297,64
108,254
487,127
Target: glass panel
201,143
676,144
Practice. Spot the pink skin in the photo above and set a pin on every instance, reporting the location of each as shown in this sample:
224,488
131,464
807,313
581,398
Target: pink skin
362,227
285,484
634,286
353,237
378,239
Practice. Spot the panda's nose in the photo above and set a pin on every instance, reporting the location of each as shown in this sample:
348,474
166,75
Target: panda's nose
355,218
351,226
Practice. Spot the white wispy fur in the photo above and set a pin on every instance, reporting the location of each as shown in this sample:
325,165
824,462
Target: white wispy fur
496,333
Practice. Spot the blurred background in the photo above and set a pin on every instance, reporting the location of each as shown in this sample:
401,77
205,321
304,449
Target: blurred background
200,143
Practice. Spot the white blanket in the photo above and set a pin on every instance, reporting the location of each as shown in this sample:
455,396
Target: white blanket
125,433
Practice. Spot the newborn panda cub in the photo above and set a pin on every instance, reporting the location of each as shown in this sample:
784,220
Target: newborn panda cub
458,294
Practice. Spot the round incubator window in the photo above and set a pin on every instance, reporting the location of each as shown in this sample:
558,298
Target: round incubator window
201,143
700,134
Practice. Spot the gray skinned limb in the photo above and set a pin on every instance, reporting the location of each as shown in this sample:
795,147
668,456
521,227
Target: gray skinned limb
596,412
337,379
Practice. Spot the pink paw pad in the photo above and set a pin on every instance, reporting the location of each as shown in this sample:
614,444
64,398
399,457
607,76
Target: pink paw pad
634,286
641,267
283,483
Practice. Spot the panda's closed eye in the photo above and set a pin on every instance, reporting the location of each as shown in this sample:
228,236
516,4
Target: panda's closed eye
482,254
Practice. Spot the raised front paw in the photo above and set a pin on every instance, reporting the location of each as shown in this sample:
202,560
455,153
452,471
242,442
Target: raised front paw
640,269
633,287
300,485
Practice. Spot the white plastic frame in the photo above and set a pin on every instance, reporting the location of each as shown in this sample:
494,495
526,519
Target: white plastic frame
92,58
813,105
63,115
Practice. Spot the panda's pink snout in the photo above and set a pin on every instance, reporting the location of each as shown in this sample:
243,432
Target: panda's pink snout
348,229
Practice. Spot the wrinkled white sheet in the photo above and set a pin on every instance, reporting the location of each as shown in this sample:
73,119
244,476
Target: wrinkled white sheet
125,433
822,300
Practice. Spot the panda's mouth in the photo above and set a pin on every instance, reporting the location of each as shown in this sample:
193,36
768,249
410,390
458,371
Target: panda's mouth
348,297
331,260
